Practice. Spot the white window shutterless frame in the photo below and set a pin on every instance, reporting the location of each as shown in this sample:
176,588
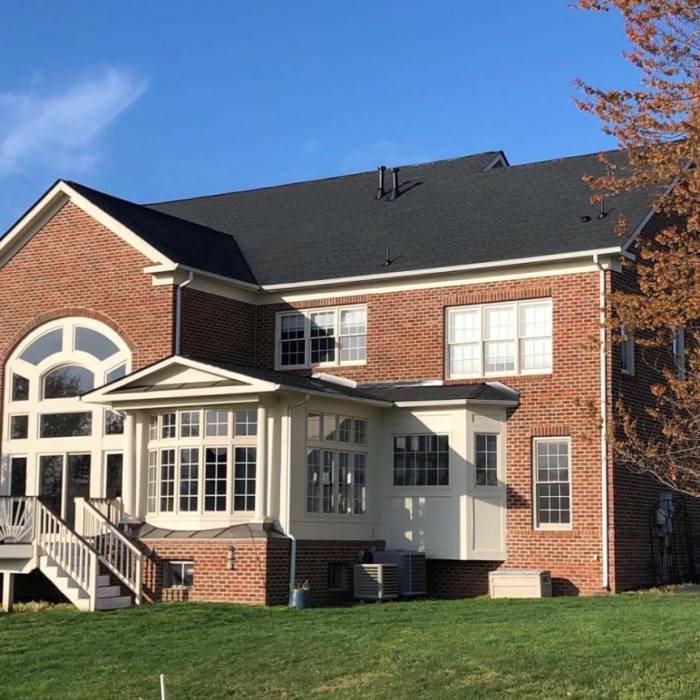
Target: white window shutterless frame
499,339
325,337
100,356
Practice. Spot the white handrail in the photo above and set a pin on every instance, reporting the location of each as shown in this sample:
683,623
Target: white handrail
115,550
70,551
111,508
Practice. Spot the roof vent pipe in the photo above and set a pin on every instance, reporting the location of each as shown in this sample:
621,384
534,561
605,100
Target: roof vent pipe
380,189
394,184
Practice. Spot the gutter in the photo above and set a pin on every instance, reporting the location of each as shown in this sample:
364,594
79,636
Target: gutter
178,307
288,515
605,544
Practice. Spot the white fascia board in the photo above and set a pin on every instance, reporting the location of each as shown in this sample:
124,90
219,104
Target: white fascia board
453,402
49,204
116,398
171,268
337,397
612,250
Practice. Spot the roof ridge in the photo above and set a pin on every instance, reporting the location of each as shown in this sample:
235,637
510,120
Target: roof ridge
317,179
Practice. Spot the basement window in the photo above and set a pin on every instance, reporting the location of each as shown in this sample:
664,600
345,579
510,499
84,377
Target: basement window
338,576
178,574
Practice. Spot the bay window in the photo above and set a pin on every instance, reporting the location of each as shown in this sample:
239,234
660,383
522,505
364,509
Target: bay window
202,461
499,339
336,464
328,336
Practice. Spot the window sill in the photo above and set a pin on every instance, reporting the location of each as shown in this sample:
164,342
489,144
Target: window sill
492,375
322,365
554,528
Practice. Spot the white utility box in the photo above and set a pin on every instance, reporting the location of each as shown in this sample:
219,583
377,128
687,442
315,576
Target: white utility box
520,583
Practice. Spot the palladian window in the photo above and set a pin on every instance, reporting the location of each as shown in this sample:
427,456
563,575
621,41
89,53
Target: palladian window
64,441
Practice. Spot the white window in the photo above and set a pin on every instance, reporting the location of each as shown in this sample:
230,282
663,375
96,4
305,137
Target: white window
178,574
328,336
335,469
626,351
189,479
247,423
421,460
168,425
202,467
167,481
499,339
216,423
486,459
678,350
552,483
189,424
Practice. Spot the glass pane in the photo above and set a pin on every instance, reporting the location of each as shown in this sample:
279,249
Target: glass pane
189,479
293,345
313,426
536,319
67,381
189,424
353,321
215,478
116,373
55,425
247,423
114,423
464,326
43,347
536,353
18,476
465,358
19,427
115,464
51,479
499,356
20,388
94,343
322,331
216,423
499,322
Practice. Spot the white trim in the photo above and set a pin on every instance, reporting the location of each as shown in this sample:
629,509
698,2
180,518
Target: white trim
334,379
454,402
47,207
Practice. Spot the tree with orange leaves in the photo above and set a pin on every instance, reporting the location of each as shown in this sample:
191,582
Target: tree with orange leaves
658,126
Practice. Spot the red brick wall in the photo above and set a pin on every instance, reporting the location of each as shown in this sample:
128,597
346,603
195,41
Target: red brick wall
458,579
213,581
405,341
217,328
74,266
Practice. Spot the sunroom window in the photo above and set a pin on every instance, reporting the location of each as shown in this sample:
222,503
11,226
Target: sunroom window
500,339
336,464
202,461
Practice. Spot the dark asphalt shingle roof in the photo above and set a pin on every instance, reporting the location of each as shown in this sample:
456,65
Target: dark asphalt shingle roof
182,241
449,213
390,393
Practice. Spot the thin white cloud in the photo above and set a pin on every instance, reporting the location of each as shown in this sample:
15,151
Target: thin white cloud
63,130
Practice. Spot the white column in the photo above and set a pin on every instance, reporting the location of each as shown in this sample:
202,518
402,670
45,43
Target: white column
8,591
261,466
129,466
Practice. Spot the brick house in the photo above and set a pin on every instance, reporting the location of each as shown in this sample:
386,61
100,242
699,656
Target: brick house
258,387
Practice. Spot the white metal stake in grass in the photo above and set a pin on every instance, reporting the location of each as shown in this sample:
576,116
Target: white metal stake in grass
162,687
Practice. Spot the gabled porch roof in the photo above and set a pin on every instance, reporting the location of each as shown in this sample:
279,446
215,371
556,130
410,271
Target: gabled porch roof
179,377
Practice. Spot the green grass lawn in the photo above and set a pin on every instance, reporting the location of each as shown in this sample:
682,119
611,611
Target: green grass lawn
626,646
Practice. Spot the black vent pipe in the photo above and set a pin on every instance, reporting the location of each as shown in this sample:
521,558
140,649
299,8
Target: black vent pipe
380,189
394,184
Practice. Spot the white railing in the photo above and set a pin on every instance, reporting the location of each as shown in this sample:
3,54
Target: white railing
115,550
16,519
67,549
111,508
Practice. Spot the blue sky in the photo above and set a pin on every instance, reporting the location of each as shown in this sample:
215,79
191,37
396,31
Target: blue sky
159,100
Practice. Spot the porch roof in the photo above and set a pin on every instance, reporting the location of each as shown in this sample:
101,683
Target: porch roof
225,377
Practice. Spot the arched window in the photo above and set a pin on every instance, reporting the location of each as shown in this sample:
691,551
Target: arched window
71,447
66,381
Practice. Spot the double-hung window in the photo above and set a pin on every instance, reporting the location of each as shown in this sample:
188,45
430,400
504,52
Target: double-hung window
336,464
500,339
326,337
552,483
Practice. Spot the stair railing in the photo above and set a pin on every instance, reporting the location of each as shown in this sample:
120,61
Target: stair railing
67,549
114,549
111,508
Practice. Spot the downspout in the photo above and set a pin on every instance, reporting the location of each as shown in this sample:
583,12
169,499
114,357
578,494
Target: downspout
178,307
288,514
603,426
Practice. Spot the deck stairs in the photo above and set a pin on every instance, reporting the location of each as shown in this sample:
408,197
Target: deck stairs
94,565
